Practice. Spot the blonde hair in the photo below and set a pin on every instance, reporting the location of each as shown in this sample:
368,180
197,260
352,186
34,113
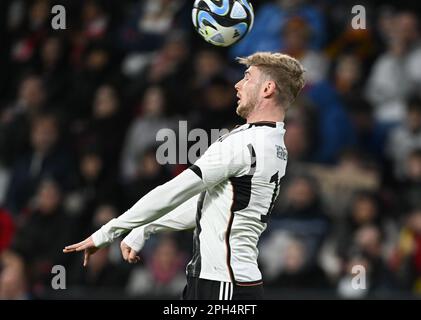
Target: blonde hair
286,71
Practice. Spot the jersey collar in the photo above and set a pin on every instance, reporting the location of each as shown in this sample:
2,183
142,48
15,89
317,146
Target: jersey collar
271,124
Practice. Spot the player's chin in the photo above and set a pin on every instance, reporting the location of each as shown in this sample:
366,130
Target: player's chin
241,111
238,110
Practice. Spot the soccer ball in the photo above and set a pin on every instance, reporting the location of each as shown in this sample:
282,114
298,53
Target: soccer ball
222,22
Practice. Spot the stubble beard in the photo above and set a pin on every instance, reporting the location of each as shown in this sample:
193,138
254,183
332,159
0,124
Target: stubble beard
244,110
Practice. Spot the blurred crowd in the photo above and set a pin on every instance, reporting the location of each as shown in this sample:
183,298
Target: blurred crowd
80,109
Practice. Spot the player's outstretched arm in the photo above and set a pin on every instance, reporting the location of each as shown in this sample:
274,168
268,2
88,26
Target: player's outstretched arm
181,218
152,206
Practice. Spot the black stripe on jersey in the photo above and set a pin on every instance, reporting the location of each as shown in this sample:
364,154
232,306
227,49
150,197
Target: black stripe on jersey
242,185
227,242
253,159
196,170
195,265
241,188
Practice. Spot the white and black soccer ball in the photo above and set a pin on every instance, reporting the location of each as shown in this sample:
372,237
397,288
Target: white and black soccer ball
222,22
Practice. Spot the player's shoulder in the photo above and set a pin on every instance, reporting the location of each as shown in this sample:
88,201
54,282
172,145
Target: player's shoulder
243,138
236,140
246,131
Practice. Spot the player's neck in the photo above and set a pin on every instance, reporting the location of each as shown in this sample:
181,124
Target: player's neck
273,114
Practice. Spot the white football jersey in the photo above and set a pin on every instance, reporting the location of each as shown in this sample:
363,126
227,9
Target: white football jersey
228,193
242,172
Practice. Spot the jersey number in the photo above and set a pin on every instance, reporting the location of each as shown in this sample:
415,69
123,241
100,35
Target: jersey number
274,179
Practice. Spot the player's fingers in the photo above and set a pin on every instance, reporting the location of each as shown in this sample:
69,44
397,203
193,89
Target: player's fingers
72,247
76,246
84,246
125,252
86,258
133,257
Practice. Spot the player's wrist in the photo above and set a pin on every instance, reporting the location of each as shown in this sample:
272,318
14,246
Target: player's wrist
135,239
100,239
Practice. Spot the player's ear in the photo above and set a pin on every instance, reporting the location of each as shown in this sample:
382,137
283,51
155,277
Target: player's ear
269,88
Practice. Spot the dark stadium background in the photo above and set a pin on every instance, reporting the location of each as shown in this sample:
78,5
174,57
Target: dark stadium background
80,108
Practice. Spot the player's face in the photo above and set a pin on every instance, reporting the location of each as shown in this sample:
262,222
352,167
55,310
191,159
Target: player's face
247,92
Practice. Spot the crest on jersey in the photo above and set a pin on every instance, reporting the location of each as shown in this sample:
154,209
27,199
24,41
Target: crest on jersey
281,152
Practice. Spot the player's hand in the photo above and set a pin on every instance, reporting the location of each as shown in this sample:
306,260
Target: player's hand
128,253
86,245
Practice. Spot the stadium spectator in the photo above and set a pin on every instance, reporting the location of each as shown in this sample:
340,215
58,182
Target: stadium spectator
163,273
106,271
296,271
334,128
97,66
148,23
215,109
304,116
271,18
149,174
207,64
142,132
13,278
15,120
93,184
406,137
101,274
29,34
106,127
48,157
406,260
53,68
410,185
43,231
396,72
297,36
302,215
297,140
366,252
371,135
347,78
364,210
352,173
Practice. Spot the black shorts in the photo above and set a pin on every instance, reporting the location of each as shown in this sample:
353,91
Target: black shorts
202,289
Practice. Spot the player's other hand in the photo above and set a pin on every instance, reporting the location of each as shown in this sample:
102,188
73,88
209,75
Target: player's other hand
86,245
128,253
